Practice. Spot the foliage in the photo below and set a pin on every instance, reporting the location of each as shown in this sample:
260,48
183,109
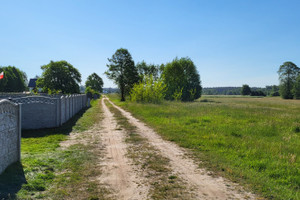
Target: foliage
14,80
148,90
59,75
257,93
181,74
53,91
221,91
249,141
274,91
91,92
288,73
145,69
246,90
95,82
270,90
296,89
122,70
177,94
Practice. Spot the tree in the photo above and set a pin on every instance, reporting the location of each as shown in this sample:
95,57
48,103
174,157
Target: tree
246,90
122,70
59,76
275,91
14,80
95,82
288,73
145,69
296,90
182,78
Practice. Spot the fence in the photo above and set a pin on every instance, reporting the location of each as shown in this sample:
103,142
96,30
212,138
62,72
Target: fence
45,112
10,133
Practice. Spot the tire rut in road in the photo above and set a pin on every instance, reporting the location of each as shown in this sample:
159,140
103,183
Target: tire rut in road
118,172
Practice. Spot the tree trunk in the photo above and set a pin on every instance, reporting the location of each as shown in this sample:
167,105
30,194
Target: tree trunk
122,93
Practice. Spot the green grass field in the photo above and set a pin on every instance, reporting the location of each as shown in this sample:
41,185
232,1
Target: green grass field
49,172
254,141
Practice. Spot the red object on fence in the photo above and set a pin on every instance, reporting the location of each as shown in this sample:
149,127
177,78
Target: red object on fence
1,75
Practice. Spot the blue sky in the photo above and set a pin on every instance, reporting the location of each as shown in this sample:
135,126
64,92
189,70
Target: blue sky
231,42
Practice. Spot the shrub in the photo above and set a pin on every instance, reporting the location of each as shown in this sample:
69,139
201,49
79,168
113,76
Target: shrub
91,93
148,90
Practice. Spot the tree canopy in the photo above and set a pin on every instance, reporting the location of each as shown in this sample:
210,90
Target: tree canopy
122,71
60,76
296,89
288,72
182,80
14,80
146,70
246,90
95,82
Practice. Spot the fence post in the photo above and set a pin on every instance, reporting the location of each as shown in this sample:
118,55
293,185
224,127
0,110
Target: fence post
19,130
58,113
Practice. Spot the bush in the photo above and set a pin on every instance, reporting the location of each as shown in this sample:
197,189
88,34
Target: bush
275,94
91,93
148,90
257,93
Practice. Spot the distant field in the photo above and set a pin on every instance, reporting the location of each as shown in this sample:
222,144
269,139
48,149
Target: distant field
255,141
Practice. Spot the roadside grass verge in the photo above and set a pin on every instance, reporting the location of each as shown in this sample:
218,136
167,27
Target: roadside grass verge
254,141
47,171
154,167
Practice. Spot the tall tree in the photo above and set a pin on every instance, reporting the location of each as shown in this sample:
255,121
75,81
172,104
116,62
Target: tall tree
60,75
146,70
288,73
14,80
95,82
296,90
122,70
182,80
246,90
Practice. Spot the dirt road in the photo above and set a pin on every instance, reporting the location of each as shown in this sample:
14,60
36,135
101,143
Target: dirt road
150,167
120,173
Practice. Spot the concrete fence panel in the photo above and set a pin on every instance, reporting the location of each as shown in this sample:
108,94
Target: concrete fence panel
63,109
45,112
10,133
38,112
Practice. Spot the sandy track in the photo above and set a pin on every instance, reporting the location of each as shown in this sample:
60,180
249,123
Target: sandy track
118,173
206,186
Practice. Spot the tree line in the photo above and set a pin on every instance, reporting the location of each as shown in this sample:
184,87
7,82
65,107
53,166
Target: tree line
289,86
269,90
57,77
176,80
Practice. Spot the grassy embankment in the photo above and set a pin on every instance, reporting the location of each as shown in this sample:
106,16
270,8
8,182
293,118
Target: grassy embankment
255,141
48,171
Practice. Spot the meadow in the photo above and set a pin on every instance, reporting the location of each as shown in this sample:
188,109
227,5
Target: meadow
252,141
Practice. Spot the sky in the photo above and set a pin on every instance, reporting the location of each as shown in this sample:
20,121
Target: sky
231,42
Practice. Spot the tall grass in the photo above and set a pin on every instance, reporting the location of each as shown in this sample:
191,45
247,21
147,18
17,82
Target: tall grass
255,141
